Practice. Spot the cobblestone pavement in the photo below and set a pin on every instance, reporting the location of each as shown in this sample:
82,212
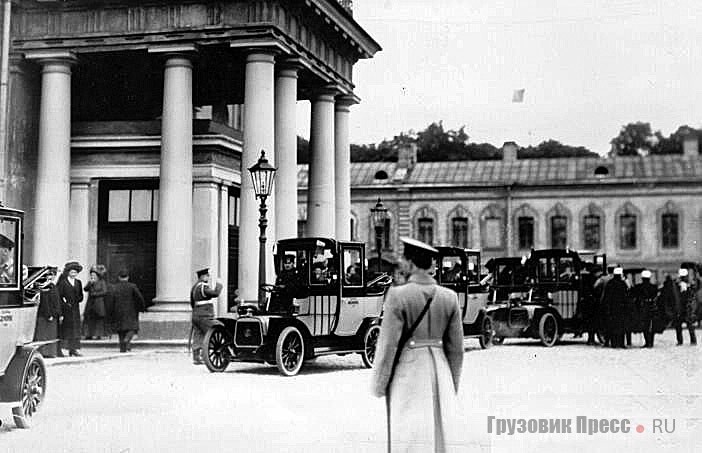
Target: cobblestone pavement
150,401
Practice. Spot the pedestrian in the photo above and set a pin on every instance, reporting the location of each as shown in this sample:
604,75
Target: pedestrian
127,302
419,358
588,304
614,296
680,299
602,315
48,317
95,311
652,316
203,311
70,291
631,316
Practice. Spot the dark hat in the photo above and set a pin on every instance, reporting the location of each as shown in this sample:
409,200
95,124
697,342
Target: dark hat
6,242
414,246
202,272
72,265
123,273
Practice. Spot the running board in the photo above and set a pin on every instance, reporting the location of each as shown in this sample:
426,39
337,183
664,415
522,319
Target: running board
327,350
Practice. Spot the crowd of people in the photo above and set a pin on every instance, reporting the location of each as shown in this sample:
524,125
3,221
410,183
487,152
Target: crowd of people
617,308
110,308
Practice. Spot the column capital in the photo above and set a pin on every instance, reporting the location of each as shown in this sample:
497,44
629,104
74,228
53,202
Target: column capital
261,55
288,67
326,93
344,101
186,50
53,60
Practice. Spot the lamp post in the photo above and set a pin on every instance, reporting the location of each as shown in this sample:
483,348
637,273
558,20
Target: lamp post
262,175
379,214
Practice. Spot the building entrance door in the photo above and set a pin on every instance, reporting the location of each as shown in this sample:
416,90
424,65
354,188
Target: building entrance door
127,219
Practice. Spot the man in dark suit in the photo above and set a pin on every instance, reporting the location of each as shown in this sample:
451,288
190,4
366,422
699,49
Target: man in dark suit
127,302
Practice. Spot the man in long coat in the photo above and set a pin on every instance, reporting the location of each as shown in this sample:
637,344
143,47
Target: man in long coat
421,393
652,315
70,291
127,302
203,311
682,298
614,297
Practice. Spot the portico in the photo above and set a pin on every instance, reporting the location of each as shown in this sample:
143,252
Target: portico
137,113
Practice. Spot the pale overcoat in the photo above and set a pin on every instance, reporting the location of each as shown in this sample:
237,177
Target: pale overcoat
424,410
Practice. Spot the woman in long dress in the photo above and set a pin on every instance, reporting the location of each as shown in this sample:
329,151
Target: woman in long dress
95,311
70,291
421,394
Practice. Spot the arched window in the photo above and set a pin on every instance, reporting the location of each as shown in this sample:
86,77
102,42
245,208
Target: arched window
525,226
592,220
670,220
459,223
492,227
558,226
628,227
424,221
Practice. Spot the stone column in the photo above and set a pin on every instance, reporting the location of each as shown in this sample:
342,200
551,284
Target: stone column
342,167
286,152
320,193
223,248
52,208
258,135
174,275
79,242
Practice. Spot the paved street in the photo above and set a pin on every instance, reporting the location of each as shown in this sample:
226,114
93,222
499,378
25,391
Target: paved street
157,401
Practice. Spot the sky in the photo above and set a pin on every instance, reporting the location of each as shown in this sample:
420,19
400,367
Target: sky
587,69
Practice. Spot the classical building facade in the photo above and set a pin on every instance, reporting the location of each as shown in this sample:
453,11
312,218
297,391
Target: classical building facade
125,138
640,211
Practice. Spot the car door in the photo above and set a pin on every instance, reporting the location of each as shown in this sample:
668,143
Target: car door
352,308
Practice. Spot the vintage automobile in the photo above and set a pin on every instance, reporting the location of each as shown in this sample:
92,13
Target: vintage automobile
322,303
549,308
506,280
460,271
22,369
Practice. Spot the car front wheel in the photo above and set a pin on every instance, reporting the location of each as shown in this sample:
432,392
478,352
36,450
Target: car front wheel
216,357
32,390
370,341
548,330
486,333
289,351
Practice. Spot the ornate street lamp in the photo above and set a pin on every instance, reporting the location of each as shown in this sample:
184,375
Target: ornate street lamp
262,175
379,214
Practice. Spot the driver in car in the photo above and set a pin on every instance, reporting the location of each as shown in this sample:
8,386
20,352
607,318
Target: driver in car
7,265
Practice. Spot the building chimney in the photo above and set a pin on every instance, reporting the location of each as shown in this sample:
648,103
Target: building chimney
509,152
691,144
407,156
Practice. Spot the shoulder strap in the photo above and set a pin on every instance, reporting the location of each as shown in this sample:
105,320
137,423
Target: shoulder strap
408,334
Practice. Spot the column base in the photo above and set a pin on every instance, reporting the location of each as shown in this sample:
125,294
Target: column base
168,325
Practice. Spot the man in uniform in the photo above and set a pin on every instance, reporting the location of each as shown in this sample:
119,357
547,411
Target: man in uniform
614,298
651,316
203,311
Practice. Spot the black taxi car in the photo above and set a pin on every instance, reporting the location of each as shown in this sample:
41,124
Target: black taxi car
459,270
323,302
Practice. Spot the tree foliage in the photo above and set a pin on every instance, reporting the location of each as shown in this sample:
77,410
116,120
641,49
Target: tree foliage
554,148
638,139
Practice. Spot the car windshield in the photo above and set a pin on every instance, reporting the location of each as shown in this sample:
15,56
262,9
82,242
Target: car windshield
451,270
9,253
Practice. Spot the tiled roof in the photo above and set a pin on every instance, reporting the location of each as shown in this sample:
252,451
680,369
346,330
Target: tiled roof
554,171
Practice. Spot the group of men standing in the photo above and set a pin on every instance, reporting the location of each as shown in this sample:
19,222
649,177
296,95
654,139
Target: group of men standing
619,309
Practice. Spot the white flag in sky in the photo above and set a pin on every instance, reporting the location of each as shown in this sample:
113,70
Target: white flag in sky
518,95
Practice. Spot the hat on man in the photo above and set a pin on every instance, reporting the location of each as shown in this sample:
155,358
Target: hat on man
682,272
72,266
646,274
418,252
6,242
202,272
618,271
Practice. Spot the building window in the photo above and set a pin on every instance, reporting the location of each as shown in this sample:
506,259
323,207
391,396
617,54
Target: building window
425,230
233,210
138,205
627,231
670,233
493,232
459,231
591,232
526,232
559,231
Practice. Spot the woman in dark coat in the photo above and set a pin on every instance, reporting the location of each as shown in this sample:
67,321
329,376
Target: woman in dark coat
94,315
70,291
48,318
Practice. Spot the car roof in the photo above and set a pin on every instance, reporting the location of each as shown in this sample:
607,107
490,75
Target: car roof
452,250
509,260
314,241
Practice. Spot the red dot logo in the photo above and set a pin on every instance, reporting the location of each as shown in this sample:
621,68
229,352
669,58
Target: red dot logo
640,429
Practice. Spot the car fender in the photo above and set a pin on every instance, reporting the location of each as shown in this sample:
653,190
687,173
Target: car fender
11,382
366,324
276,326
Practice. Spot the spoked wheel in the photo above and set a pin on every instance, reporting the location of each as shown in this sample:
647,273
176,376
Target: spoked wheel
217,341
498,340
289,351
370,341
32,391
548,330
486,336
